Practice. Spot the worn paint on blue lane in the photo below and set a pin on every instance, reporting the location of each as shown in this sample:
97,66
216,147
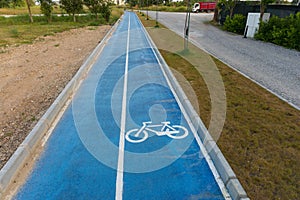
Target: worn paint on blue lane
81,156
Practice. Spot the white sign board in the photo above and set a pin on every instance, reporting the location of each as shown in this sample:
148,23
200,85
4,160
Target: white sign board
253,23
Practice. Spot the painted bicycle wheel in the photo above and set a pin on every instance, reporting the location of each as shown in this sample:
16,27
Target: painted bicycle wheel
131,136
181,132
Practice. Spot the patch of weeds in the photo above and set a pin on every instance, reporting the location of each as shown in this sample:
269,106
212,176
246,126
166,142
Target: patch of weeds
48,34
33,119
57,45
14,33
92,28
26,42
8,134
94,23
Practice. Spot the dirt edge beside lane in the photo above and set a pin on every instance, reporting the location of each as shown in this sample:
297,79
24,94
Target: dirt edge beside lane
33,75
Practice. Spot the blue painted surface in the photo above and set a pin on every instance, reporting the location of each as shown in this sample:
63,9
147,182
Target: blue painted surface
81,156
66,170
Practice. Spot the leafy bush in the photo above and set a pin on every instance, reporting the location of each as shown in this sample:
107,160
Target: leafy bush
236,24
281,31
113,19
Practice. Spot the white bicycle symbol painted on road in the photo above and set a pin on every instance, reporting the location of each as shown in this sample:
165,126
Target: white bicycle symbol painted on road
140,135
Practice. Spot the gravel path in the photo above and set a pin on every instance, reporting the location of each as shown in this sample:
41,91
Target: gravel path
273,67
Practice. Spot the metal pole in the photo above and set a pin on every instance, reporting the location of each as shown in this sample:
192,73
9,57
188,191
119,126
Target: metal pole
156,14
187,26
147,9
140,2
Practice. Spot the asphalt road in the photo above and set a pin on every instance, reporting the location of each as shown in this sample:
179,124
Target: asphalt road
273,67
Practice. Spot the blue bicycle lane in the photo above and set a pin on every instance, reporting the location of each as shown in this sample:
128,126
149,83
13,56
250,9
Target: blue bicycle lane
102,148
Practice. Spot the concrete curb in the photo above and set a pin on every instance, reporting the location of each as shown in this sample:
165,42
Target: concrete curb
226,173
10,170
229,178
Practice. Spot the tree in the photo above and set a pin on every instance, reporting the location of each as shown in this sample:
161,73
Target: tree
216,12
19,3
4,3
229,5
263,6
28,3
71,7
46,9
106,11
99,6
94,6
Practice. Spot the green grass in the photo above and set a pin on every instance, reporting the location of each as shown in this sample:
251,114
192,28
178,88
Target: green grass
195,80
26,33
18,30
24,10
150,22
261,138
261,135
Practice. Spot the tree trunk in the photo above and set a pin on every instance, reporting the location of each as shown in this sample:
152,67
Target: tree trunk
50,19
231,13
216,13
262,11
29,11
74,18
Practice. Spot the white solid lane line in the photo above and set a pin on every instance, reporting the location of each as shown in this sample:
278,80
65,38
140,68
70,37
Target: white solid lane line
120,172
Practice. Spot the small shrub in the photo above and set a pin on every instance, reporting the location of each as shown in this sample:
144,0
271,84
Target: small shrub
14,33
236,24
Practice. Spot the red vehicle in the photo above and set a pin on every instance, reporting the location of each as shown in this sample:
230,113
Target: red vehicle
204,6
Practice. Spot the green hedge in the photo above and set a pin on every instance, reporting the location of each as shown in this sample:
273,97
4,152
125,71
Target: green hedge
236,24
281,31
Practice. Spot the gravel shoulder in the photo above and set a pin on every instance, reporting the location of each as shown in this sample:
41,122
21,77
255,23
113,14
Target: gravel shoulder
33,75
273,67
